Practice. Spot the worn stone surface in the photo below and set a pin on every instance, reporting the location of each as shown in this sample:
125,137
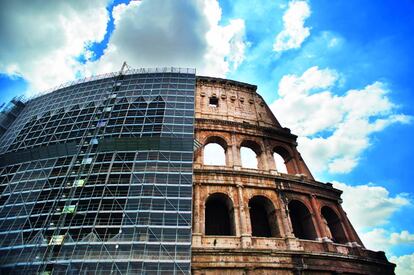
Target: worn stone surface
237,116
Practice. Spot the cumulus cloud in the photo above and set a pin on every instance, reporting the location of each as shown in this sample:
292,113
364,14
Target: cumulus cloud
380,239
405,264
333,129
402,237
294,32
370,209
40,42
369,205
178,33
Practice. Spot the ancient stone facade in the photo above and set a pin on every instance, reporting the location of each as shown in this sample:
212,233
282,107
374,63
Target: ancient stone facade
262,221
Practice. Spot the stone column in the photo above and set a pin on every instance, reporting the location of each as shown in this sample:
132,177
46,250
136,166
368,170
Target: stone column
291,241
263,161
268,153
229,155
246,237
293,161
197,230
235,153
280,222
319,226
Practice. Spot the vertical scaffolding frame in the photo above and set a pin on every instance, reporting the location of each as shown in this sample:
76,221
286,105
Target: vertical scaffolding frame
101,177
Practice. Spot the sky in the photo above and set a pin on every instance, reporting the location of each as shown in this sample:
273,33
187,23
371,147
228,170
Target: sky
337,73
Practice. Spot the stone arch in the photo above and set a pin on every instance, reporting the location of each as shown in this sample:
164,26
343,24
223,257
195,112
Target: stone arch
219,215
216,139
287,157
257,150
215,151
263,218
301,219
333,225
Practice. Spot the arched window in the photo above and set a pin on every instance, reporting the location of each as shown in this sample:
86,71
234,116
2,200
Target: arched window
215,151
250,154
214,154
301,219
219,215
333,225
248,158
263,217
280,163
281,157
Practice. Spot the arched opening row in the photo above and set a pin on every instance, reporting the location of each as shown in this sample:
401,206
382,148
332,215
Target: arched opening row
215,153
304,227
220,219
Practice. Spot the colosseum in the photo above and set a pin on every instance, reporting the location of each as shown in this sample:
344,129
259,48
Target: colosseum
144,172
269,219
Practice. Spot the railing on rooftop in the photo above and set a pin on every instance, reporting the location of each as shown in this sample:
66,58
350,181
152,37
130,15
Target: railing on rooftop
128,71
10,111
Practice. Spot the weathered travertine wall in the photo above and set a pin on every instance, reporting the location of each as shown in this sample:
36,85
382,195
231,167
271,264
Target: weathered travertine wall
233,115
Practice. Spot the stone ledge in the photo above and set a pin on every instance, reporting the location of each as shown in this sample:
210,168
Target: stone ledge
205,169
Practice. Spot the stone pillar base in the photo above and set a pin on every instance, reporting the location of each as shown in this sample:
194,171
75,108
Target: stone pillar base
246,241
237,167
197,239
293,243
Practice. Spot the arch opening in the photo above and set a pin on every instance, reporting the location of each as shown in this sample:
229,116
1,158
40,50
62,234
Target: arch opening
280,163
263,217
250,154
248,158
281,157
214,154
301,218
215,151
333,225
219,216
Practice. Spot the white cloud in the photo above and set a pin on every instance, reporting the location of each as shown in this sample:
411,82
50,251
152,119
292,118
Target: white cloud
368,205
333,130
383,240
405,264
40,42
402,237
294,32
377,239
178,33
371,207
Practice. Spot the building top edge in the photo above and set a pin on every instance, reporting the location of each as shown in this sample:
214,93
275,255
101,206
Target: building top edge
129,71
226,81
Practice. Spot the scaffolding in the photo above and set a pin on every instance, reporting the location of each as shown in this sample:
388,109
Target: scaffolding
101,177
10,112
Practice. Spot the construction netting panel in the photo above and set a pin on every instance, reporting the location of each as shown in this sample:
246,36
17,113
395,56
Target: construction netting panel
97,178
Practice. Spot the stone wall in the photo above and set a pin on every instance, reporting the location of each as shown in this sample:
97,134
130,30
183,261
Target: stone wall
233,115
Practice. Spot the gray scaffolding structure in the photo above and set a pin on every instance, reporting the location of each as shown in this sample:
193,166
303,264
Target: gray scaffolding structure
117,197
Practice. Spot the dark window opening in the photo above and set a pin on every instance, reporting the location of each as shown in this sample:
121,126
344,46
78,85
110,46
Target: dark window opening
263,217
333,225
219,216
301,219
213,102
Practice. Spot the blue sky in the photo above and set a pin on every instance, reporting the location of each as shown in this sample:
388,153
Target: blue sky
338,73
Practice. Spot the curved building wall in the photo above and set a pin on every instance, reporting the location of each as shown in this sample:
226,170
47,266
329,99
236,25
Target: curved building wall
97,178
109,176
267,221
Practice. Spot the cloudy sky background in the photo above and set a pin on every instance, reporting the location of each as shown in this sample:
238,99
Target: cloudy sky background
338,73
